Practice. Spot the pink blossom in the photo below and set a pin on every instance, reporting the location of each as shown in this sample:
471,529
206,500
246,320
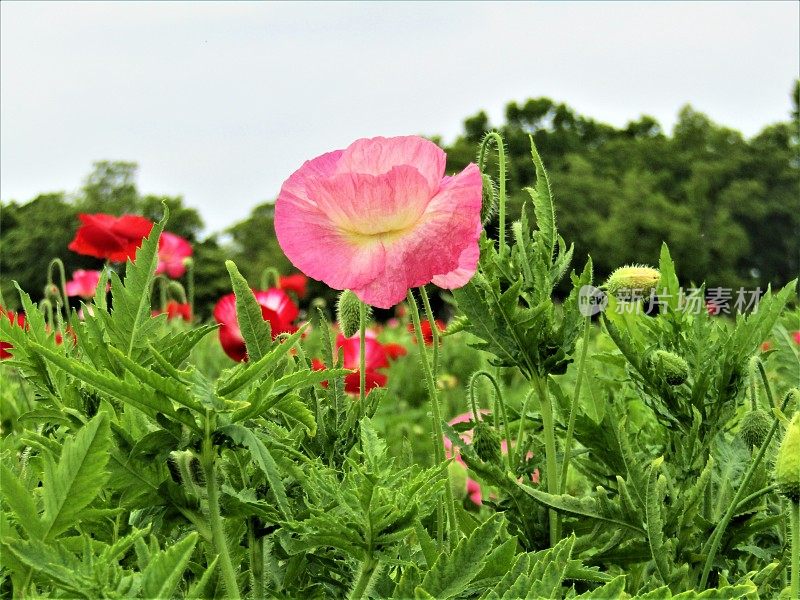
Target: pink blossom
83,283
173,250
380,217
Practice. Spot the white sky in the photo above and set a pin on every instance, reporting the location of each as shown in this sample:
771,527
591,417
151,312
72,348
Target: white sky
220,102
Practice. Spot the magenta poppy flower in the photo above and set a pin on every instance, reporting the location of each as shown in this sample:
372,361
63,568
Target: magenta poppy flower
113,238
276,307
173,251
83,283
380,217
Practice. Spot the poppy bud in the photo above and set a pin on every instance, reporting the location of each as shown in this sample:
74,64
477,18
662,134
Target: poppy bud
458,479
755,427
489,199
670,366
486,443
347,313
787,463
185,468
633,278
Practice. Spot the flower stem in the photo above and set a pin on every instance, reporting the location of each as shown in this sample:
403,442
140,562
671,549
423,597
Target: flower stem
493,136
362,352
214,517
712,545
365,574
190,284
573,409
546,409
63,298
436,426
500,403
794,518
269,278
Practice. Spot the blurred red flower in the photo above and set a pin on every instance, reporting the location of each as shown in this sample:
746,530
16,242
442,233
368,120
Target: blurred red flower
276,307
375,357
395,351
796,337
17,319
110,237
173,250
296,283
427,332
83,283
176,310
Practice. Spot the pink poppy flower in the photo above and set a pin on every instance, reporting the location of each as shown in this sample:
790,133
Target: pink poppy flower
380,217
276,307
796,337
173,250
83,283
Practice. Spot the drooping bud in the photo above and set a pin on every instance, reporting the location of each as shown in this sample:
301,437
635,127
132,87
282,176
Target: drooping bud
489,201
755,427
670,366
638,279
787,463
347,312
486,443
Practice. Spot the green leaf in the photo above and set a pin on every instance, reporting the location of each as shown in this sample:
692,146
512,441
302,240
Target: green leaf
130,321
200,589
613,589
263,458
453,573
295,409
655,523
165,569
78,478
543,204
255,329
21,502
669,280
550,570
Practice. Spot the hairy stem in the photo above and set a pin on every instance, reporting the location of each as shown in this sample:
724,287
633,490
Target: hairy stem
436,426
573,409
794,518
362,352
365,574
214,516
493,136
500,402
712,545
546,409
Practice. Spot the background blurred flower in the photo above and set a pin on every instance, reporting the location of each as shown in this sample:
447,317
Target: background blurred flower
13,318
109,237
427,331
83,283
176,310
380,217
276,307
173,250
296,283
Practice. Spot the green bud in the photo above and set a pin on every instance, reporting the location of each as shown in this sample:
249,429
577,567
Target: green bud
633,278
486,443
755,427
458,479
489,201
670,366
787,463
185,468
347,312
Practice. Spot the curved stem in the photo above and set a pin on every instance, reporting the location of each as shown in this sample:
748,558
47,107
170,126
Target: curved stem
573,409
520,429
767,388
546,409
794,519
501,403
712,545
436,425
362,352
59,265
269,278
495,137
214,516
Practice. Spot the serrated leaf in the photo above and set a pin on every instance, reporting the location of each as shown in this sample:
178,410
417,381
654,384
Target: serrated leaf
256,330
165,570
78,478
21,502
543,204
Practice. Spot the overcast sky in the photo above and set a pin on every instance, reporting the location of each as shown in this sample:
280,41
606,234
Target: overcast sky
221,102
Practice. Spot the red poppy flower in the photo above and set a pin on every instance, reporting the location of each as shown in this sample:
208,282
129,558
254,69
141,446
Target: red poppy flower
295,283
427,333
13,318
276,307
176,310
796,337
395,351
110,237
173,251
375,357
83,283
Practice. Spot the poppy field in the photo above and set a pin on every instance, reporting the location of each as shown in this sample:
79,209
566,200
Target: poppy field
478,417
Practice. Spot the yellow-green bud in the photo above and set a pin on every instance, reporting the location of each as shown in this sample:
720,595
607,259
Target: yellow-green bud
670,366
347,313
755,427
787,463
633,278
486,443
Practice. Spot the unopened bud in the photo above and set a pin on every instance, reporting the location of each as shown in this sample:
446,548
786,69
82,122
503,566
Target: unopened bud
633,278
755,427
489,201
670,366
348,313
486,443
787,463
